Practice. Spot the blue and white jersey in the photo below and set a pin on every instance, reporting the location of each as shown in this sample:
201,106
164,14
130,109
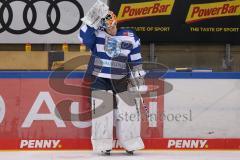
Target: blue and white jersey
112,54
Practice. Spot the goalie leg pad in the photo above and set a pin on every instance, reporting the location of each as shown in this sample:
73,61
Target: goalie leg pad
129,121
102,120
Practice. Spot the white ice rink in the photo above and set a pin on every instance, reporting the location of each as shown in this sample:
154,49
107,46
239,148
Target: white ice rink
120,155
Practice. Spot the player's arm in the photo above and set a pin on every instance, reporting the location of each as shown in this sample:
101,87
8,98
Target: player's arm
92,21
87,36
136,67
135,58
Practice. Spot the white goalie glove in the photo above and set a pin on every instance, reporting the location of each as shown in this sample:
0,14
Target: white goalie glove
136,80
94,16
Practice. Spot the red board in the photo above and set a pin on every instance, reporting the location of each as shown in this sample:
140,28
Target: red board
29,122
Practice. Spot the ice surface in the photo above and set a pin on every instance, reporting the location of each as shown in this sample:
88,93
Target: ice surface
120,155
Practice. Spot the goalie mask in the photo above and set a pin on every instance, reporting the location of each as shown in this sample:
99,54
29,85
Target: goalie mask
109,20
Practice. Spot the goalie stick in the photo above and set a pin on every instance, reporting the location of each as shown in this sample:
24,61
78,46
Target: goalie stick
138,92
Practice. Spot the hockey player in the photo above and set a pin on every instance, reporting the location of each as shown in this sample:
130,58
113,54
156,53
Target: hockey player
115,53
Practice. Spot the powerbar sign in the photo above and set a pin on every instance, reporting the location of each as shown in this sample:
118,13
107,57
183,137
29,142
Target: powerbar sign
199,12
170,20
145,9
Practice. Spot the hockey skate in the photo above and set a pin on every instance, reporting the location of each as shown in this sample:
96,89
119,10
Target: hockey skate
106,153
129,152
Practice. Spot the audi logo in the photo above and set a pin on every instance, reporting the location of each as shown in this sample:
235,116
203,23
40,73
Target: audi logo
30,6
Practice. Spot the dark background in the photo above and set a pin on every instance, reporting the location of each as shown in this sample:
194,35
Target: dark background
179,30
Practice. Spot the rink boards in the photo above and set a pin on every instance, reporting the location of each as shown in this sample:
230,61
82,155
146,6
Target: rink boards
188,111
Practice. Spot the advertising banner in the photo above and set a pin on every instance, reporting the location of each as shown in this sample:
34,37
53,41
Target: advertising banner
48,21
51,111
210,107
215,21
38,111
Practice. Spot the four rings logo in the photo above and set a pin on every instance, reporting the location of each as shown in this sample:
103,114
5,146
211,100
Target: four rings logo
30,15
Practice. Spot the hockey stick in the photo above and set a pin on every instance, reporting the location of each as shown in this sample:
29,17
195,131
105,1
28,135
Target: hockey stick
138,92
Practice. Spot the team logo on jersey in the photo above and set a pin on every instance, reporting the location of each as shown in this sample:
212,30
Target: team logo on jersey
126,45
112,47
